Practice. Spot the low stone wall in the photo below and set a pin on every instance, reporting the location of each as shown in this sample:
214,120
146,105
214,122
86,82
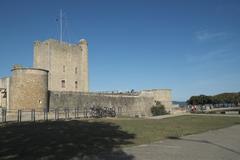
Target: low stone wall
162,95
130,105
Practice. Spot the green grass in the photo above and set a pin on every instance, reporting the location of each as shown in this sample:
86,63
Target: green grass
150,130
99,138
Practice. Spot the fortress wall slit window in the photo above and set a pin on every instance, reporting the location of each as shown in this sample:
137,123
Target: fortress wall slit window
63,68
76,84
63,83
76,70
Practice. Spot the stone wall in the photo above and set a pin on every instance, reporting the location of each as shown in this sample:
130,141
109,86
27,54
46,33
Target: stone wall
124,104
28,89
66,63
4,92
162,95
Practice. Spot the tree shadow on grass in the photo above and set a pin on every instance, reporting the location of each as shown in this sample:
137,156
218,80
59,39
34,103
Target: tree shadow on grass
63,140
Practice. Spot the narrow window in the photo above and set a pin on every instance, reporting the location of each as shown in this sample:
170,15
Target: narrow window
76,70
76,84
63,83
63,68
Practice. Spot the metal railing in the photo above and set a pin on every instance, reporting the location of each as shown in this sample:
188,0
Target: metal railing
33,115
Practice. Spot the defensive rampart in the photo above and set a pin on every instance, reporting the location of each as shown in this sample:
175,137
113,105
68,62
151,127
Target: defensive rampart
124,104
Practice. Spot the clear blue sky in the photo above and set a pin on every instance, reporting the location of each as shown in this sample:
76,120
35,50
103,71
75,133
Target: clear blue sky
189,46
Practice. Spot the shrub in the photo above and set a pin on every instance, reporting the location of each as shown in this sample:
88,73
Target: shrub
158,109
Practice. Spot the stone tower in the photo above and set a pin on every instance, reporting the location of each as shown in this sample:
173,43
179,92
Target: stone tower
28,88
67,64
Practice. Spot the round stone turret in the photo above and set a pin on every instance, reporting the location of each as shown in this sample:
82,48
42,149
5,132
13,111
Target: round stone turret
28,89
84,61
83,41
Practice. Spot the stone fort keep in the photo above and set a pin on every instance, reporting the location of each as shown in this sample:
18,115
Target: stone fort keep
59,79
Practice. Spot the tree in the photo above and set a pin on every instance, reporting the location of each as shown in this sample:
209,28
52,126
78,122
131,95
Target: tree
158,109
224,98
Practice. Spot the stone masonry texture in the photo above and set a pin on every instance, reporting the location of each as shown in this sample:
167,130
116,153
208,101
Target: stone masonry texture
66,63
28,89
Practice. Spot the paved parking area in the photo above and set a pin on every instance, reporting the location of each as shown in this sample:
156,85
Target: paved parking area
219,144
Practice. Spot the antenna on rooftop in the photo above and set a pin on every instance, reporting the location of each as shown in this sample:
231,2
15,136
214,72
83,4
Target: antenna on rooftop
60,21
62,26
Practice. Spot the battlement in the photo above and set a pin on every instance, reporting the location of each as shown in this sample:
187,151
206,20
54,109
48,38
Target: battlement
60,43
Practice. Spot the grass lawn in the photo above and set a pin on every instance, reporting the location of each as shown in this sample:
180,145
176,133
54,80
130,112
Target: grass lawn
96,138
150,130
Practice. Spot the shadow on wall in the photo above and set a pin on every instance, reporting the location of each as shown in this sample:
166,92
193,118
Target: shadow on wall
63,140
